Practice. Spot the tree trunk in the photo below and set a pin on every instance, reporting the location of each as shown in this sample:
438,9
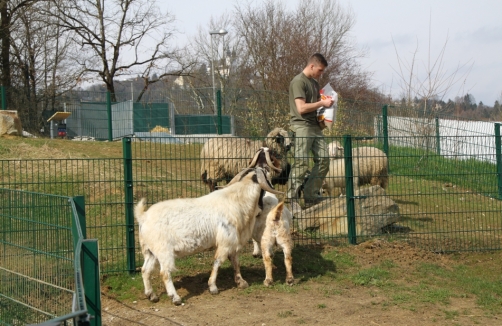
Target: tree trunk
5,39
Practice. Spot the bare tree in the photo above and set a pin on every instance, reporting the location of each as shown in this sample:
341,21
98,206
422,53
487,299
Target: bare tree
267,45
221,53
8,14
124,37
275,43
39,67
425,85
216,52
279,41
429,79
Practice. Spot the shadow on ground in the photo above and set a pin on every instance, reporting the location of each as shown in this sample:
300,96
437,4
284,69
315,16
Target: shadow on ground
307,262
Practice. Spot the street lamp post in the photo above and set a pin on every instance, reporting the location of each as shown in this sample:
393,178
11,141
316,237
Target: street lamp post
221,32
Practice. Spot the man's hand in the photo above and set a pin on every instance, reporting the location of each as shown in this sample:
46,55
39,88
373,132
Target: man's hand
326,101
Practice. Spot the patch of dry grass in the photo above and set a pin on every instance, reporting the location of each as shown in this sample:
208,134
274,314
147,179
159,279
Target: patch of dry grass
43,148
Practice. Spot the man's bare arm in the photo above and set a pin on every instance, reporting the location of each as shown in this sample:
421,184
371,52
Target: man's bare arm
304,107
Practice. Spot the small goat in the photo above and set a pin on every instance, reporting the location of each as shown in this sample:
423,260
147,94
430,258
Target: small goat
222,219
273,227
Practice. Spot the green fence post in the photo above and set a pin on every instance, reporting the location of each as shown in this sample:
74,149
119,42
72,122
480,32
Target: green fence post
349,189
109,113
80,207
169,123
90,276
218,101
129,204
4,98
438,139
385,124
78,229
379,132
498,153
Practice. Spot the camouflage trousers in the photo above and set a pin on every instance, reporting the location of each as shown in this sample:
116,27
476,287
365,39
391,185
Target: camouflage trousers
309,143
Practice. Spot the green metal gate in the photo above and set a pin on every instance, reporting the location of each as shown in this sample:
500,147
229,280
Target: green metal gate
48,270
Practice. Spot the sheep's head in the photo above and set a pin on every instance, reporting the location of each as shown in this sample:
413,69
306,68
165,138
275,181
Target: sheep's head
279,140
335,150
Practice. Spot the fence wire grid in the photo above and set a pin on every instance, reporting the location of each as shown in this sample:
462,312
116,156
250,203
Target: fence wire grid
42,261
443,191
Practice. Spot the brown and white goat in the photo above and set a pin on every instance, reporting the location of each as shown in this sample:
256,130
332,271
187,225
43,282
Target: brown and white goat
272,227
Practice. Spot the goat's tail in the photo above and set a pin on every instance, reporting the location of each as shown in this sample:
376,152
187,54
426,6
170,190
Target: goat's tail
139,211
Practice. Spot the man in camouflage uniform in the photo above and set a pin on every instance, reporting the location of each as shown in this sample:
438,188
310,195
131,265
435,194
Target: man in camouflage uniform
304,100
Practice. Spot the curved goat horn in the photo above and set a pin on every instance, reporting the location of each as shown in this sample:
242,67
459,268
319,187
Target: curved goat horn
264,184
269,162
238,177
255,158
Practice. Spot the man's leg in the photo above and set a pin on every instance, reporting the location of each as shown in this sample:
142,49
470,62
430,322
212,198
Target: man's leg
320,169
300,164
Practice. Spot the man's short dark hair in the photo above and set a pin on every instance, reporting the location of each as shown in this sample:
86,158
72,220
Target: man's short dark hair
318,58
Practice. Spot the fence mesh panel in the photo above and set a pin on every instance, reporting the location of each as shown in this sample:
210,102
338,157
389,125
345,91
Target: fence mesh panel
443,190
37,257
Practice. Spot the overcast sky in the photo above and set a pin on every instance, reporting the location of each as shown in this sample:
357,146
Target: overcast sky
472,29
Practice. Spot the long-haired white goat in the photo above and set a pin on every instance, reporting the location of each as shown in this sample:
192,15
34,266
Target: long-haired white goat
223,220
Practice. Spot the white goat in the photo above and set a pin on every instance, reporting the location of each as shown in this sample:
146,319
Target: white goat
223,220
272,227
369,166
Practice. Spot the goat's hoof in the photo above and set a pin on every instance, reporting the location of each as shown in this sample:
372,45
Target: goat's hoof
268,282
256,255
242,284
177,301
290,281
153,298
213,291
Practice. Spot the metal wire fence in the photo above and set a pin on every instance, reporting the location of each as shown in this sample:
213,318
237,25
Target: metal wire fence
443,202
45,261
101,181
176,110
447,201
443,191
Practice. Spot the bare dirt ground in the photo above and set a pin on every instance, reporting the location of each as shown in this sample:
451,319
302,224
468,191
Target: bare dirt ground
308,302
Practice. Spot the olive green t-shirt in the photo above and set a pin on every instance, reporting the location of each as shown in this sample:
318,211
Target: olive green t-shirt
303,87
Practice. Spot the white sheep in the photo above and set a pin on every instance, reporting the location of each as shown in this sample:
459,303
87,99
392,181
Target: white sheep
335,150
272,227
223,157
369,166
223,220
